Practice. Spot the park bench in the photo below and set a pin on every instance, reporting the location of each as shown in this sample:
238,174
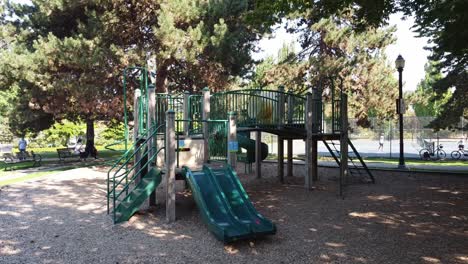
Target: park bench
67,153
21,157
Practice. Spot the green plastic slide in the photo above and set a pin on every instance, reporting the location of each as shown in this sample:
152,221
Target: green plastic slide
249,145
224,205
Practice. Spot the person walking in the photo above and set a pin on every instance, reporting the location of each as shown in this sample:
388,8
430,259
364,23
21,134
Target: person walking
22,144
381,142
461,144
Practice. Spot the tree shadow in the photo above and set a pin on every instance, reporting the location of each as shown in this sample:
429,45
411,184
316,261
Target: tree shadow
418,219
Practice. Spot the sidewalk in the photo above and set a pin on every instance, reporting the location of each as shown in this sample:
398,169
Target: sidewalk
392,167
411,167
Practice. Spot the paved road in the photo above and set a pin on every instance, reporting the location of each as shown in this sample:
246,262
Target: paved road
369,148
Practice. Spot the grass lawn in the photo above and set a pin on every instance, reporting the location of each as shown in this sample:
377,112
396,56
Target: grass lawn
102,152
105,156
447,162
21,166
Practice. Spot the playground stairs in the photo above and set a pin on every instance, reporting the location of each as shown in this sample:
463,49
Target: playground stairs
132,179
134,199
360,171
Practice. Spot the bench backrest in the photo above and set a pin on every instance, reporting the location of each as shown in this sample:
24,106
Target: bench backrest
63,150
9,156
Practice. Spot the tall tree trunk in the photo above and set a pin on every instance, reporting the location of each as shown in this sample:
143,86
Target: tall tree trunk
90,148
161,77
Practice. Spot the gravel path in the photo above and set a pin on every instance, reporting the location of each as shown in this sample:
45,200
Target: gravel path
401,219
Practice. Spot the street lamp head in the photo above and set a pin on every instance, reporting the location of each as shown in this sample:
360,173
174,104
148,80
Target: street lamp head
400,63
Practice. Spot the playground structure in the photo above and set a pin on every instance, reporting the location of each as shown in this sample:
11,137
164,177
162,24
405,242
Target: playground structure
199,138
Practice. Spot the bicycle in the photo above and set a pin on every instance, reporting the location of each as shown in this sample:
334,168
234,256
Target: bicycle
429,152
457,154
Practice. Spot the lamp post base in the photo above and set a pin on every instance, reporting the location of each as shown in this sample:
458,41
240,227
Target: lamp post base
402,167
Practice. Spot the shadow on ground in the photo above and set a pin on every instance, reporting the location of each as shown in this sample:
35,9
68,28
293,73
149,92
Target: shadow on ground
401,219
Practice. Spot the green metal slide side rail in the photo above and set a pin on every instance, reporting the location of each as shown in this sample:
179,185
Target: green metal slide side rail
119,174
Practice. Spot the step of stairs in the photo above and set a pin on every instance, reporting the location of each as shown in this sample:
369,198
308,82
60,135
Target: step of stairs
134,199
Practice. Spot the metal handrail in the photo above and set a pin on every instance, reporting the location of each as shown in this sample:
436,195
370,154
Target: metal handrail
138,149
128,158
259,91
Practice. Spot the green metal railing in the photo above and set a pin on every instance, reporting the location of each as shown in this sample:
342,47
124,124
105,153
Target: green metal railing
195,103
217,136
217,140
260,108
295,110
336,116
164,102
124,172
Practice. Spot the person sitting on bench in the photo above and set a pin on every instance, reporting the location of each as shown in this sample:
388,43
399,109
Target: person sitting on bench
78,147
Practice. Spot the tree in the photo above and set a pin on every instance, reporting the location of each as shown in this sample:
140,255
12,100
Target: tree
367,13
335,54
424,100
68,55
444,23
285,70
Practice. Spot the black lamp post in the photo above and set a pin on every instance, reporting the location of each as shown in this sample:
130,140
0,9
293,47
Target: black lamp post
400,64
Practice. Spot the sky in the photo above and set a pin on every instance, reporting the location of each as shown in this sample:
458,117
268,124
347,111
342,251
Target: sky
407,44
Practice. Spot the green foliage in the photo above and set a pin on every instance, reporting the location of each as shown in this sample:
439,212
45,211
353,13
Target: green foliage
336,55
367,13
60,134
444,23
64,58
424,99
114,131
284,70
